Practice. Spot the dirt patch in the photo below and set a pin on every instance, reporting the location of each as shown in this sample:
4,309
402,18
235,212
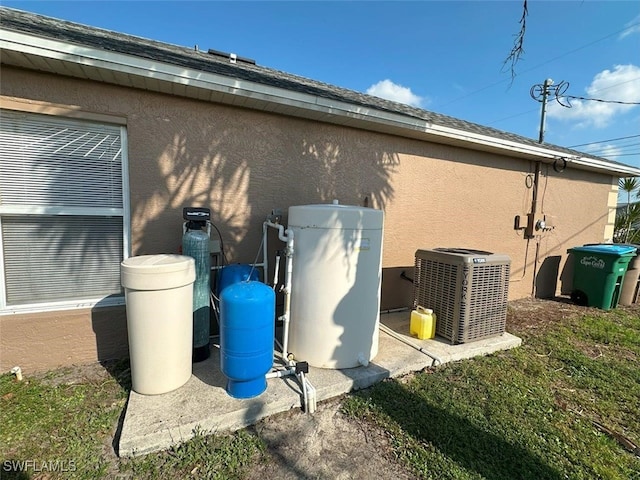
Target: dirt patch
91,373
75,375
325,445
533,314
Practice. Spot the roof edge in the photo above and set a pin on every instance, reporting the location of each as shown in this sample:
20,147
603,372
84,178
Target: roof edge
283,101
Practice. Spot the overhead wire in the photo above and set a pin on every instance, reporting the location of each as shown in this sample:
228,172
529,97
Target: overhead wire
618,148
569,96
613,151
626,154
540,65
619,102
615,85
604,141
559,93
512,116
619,143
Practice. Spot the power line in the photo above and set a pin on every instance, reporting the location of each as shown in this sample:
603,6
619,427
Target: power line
615,85
625,154
511,116
603,141
539,65
559,90
617,145
601,100
614,150
620,144
535,109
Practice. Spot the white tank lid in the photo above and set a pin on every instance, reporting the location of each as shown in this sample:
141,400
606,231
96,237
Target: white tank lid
157,272
335,216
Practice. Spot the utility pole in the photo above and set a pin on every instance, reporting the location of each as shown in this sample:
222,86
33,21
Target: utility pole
543,115
541,94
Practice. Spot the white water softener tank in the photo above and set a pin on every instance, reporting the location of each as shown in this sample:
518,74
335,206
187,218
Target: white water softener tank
335,284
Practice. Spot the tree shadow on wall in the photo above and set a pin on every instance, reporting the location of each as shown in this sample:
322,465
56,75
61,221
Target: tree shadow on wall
242,165
239,163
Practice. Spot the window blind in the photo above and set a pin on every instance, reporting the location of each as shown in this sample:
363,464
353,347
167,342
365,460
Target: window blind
73,169
61,258
48,161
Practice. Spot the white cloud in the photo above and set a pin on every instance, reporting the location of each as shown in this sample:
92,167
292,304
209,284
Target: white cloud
397,93
620,84
631,27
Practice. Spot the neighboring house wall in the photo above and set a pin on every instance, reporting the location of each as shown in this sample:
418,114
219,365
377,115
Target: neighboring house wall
243,163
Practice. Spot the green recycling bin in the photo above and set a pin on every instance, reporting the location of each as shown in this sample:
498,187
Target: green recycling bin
598,274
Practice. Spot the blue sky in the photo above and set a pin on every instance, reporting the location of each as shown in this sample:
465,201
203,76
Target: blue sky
443,56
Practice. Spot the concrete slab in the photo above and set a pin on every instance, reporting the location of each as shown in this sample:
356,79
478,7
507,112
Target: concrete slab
154,423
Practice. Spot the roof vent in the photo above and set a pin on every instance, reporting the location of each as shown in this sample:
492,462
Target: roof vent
232,57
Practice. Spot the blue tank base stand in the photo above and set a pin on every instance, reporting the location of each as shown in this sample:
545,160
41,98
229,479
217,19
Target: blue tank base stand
246,389
200,354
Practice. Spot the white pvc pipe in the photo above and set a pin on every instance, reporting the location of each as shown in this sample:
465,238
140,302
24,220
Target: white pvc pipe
305,394
282,233
265,265
281,373
287,294
276,271
17,371
395,335
287,237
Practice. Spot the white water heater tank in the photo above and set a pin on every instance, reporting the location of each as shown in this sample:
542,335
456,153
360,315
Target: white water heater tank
335,294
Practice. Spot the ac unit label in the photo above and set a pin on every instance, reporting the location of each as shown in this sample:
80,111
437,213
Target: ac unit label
479,260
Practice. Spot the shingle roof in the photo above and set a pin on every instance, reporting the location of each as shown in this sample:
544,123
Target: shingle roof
202,61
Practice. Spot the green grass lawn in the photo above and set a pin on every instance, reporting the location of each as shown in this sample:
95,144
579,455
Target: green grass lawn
559,406
53,429
527,413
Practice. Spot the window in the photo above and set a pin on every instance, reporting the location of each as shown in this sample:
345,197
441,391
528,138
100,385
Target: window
63,215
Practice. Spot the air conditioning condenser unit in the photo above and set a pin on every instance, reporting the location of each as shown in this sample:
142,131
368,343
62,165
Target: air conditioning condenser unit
467,289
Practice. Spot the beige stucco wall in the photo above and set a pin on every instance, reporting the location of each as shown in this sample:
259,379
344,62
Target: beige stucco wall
242,163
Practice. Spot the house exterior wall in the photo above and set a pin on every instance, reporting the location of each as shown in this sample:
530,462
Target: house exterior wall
243,163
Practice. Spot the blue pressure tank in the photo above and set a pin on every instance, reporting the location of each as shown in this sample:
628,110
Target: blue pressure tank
196,244
234,273
247,324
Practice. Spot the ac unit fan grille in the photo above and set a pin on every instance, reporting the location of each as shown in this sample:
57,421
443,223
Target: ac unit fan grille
435,288
485,312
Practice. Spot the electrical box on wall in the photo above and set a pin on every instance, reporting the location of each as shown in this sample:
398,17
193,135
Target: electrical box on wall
550,222
537,224
533,224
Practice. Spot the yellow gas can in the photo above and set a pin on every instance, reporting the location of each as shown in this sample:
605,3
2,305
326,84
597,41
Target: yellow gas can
423,323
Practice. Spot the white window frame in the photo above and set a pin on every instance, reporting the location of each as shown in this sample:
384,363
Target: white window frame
124,213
